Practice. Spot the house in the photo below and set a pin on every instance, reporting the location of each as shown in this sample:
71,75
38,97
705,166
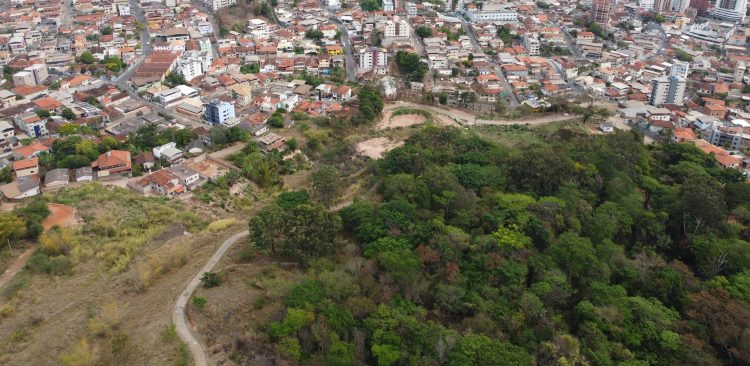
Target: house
114,162
26,167
606,127
187,177
146,160
56,178
169,152
85,174
270,142
195,147
23,187
162,182
30,151
342,93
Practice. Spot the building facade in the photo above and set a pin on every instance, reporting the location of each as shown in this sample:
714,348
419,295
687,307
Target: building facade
667,90
218,112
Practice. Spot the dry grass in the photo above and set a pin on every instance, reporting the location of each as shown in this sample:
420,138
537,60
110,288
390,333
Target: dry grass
163,260
118,223
221,225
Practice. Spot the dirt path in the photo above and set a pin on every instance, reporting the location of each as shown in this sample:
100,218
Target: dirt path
178,315
16,267
220,154
60,215
453,116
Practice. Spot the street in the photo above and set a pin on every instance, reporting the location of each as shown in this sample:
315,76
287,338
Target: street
506,85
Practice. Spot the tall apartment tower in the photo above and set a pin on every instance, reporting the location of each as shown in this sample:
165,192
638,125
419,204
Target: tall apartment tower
679,6
701,6
667,90
601,9
733,10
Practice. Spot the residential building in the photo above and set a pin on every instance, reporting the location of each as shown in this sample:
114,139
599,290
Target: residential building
732,10
531,43
373,58
26,167
601,11
24,78
680,69
388,5
679,6
667,90
411,10
219,4
218,112
32,125
114,162
502,15
396,28
57,178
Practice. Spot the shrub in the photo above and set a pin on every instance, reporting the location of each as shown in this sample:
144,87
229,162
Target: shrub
169,334
306,292
199,302
221,224
211,279
41,262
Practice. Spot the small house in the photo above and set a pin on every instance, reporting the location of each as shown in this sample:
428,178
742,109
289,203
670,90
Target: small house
57,178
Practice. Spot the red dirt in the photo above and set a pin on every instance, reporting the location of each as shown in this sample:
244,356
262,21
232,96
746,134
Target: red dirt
60,215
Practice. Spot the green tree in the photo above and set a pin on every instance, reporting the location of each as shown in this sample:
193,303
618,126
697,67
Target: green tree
68,114
326,185
424,32
87,58
370,102
12,226
370,5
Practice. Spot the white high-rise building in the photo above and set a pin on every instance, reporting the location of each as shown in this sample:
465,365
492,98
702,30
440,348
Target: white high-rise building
680,69
396,28
219,4
646,4
679,6
667,90
531,43
373,58
733,10
411,10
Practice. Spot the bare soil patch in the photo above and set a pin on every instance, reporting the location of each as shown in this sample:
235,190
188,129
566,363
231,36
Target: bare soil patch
60,215
375,148
404,120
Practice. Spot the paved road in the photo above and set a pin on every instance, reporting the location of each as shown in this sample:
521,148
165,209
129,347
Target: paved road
351,66
178,315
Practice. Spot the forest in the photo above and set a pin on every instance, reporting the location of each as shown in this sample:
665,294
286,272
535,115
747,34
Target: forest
577,250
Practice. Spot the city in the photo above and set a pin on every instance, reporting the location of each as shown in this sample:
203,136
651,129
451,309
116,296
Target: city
390,182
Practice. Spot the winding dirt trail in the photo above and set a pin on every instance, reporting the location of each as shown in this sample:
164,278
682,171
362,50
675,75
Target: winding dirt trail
178,315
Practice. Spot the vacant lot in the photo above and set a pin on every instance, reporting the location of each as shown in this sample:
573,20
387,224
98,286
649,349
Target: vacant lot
112,298
375,148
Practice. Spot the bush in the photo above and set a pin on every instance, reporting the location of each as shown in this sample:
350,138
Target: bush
211,279
40,262
306,292
221,224
169,334
199,302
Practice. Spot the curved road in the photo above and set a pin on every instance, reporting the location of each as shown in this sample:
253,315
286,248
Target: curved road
178,315
468,119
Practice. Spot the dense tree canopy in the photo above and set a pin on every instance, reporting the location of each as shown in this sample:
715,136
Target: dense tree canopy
575,250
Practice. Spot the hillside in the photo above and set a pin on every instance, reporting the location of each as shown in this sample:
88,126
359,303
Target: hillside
570,249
